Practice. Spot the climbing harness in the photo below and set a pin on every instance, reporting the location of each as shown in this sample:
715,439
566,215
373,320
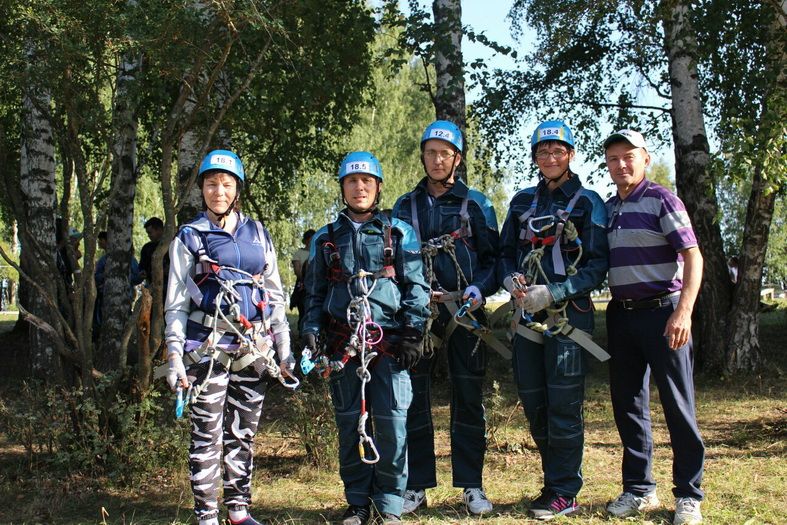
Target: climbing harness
532,230
365,336
446,243
254,346
254,343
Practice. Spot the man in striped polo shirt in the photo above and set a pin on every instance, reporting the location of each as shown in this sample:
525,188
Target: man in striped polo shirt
655,270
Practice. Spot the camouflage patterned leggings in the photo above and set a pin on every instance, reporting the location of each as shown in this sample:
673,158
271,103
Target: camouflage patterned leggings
223,423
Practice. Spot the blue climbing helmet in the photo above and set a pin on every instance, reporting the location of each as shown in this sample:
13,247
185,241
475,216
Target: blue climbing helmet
222,160
360,162
444,130
551,130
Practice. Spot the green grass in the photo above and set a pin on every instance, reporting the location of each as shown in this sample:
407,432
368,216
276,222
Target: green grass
743,422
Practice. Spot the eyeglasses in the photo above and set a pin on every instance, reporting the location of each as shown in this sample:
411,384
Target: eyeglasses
440,156
557,155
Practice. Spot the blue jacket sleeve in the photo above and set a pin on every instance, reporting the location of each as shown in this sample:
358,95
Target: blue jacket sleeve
316,284
594,263
487,241
410,274
509,238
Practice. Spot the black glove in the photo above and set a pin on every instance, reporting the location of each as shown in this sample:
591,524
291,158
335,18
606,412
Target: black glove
410,348
310,341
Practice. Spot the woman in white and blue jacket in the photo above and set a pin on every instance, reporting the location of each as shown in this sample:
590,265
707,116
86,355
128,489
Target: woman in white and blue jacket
224,290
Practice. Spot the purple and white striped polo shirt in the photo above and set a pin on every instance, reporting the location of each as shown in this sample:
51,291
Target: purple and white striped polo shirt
645,232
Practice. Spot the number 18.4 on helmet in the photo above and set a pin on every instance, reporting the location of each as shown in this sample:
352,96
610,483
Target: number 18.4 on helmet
552,130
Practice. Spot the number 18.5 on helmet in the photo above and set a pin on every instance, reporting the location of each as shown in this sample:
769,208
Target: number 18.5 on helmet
360,162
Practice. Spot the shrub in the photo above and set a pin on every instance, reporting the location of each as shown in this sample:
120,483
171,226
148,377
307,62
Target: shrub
85,433
312,423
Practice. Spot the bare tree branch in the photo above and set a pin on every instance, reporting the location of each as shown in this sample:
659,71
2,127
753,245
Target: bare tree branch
61,349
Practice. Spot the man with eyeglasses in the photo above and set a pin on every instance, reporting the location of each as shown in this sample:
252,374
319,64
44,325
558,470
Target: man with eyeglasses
553,252
654,276
457,228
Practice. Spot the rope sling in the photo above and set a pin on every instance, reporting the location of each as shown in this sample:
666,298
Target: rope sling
534,271
429,250
461,315
254,347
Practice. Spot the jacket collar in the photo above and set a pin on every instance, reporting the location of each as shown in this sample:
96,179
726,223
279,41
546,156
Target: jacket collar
379,219
568,188
459,190
636,193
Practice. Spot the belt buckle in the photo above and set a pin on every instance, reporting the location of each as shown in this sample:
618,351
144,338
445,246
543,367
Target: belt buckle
628,304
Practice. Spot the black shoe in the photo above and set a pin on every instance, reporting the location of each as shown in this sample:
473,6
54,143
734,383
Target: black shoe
558,506
356,515
542,501
390,519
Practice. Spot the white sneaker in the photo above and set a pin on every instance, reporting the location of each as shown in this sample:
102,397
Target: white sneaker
628,504
687,511
476,501
413,499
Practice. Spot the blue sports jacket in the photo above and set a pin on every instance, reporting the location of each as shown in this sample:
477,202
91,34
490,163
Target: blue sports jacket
396,302
477,254
588,215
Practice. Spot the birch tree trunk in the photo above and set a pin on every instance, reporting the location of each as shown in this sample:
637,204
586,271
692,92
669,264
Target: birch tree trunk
188,149
743,352
37,182
695,182
117,293
449,97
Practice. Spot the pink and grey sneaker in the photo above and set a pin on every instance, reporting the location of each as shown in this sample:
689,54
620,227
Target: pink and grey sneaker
556,506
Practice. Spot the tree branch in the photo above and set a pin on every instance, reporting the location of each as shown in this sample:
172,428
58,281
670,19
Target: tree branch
614,105
53,334
428,84
63,323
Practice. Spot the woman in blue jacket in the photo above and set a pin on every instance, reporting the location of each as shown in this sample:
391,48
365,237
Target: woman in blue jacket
225,320
553,252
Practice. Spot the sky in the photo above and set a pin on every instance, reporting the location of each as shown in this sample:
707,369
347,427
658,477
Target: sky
489,17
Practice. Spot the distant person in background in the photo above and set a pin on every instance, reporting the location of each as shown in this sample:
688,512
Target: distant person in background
154,227
67,255
4,295
134,278
732,267
299,260
67,260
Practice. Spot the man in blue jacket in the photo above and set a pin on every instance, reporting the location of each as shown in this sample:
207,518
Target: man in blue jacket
458,229
367,298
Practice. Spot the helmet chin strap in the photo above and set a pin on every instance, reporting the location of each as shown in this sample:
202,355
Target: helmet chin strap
442,182
222,216
567,170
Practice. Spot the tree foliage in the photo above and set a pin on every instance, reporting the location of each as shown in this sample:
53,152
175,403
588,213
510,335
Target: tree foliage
603,65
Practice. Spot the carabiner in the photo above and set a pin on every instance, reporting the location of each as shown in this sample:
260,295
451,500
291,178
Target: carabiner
362,450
